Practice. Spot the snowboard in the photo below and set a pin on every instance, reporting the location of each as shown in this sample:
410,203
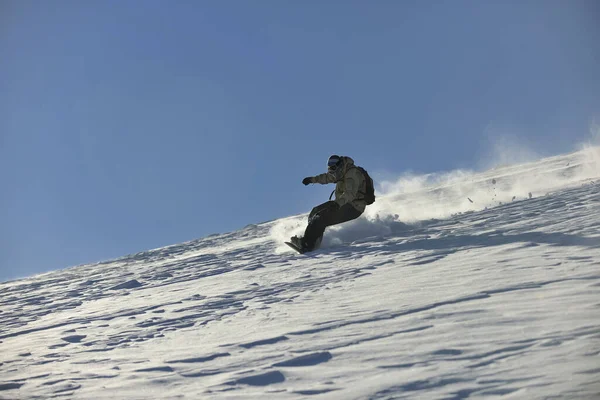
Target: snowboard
293,246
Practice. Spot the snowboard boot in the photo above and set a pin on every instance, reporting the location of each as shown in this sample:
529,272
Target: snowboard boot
299,243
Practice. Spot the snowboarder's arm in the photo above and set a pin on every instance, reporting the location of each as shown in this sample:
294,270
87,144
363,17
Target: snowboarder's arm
324,179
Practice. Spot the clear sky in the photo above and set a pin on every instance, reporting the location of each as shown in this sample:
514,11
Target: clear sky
130,125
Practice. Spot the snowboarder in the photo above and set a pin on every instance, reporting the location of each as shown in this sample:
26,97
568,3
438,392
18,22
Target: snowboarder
353,192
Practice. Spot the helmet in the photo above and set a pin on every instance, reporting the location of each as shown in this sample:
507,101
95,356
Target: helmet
334,162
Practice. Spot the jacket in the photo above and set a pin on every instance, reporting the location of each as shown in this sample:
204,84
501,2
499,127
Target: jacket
350,184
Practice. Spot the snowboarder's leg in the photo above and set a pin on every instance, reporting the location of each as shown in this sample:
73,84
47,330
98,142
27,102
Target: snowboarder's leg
328,205
317,222
318,242
327,217
322,207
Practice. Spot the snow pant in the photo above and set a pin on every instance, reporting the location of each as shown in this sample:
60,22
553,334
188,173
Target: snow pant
324,215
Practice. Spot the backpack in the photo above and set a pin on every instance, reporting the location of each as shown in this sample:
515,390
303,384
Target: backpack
370,194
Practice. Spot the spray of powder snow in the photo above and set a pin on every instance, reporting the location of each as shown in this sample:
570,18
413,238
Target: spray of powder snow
404,203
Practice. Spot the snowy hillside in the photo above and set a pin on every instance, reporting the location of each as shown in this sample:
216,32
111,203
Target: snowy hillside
452,286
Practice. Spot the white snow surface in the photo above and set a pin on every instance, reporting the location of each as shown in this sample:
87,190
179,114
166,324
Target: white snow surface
451,286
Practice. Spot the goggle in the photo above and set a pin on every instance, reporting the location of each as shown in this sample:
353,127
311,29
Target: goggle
333,163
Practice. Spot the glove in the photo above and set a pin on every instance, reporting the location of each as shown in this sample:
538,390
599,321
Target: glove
307,180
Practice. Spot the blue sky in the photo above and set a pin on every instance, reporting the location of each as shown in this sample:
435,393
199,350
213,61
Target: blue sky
129,125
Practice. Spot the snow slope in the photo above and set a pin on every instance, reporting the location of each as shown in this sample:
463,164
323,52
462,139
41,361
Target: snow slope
438,292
